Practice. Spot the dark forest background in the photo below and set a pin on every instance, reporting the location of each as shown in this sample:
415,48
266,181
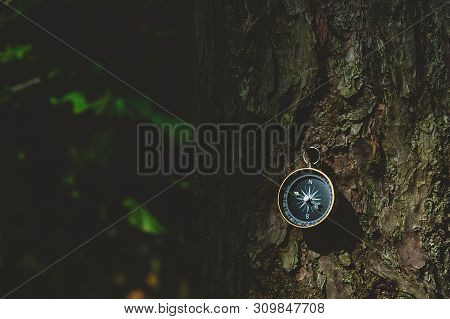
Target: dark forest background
68,146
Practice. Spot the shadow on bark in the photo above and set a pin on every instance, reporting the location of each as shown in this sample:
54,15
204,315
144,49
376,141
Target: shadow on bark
340,231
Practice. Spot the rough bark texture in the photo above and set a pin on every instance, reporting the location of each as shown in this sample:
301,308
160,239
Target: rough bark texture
380,117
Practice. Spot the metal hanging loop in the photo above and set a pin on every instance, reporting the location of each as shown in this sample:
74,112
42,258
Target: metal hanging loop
306,157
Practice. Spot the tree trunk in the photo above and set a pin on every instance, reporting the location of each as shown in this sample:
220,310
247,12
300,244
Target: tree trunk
369,80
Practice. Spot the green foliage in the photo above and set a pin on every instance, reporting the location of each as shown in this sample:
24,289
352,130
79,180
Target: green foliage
75,194
21,156
14,53
69,180
142,218
184,185
118,107
87,119
97,150
53,73
78,101
109,105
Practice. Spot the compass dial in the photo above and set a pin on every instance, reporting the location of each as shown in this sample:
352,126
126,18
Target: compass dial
306,197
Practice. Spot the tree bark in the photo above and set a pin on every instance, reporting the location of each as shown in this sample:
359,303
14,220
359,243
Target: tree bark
369,80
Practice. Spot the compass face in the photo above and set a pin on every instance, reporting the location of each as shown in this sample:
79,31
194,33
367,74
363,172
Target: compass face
306,197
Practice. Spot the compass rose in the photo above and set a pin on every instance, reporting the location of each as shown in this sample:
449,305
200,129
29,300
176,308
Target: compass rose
307,199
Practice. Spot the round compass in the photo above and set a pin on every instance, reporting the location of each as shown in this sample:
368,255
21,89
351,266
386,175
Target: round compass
306,197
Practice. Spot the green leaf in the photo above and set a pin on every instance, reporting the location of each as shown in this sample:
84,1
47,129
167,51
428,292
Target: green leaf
142,218
77,99
14,53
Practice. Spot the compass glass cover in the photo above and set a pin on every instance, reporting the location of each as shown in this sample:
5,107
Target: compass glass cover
306,197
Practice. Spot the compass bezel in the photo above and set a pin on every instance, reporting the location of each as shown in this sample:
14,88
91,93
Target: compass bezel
332,200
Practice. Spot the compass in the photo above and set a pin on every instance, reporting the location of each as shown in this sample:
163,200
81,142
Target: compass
306,196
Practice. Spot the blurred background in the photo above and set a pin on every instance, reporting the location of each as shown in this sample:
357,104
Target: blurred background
69,150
